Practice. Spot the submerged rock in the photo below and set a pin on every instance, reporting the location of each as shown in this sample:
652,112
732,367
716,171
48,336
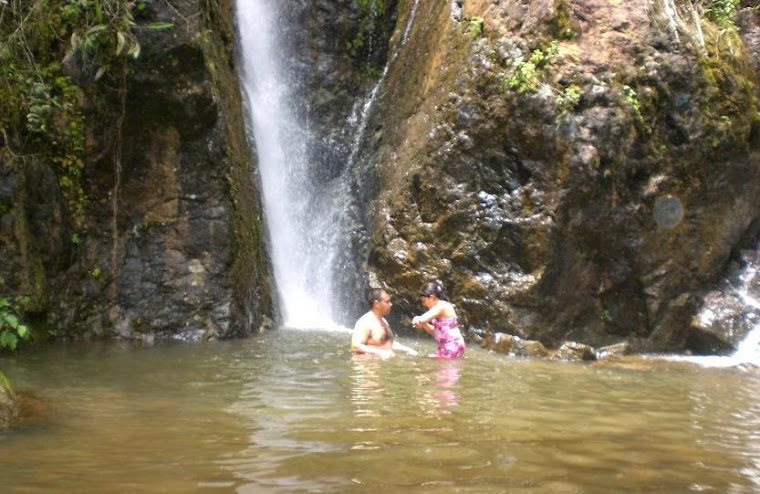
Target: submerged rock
514,346
571,351
9,403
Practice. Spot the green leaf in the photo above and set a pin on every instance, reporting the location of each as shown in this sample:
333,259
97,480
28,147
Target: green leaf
98,11
159,25
23,331
4,382
8,340
121,40
134,50
96,29
9,319
102,70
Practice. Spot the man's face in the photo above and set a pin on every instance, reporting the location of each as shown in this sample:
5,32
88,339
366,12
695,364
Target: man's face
384,304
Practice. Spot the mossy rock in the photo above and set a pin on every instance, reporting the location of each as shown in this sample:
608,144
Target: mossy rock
9,403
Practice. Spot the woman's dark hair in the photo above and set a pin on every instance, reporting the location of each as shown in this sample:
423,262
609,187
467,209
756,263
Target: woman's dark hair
434,288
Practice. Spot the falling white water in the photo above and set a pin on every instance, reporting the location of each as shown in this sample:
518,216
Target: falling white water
300,238
748,351
362,118
302,217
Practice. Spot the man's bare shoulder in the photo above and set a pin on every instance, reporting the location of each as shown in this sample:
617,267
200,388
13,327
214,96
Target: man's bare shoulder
367,321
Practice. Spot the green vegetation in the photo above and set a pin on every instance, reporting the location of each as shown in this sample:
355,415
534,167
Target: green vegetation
477,26
5,383
563,23
605,317
372,11
566,101
43,44
722,13
632,99
12,328
526,75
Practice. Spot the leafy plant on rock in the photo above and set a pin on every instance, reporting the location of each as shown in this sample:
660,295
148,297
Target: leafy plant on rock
722,13
476,26
41,118
566,101
526,74
12,328
372,13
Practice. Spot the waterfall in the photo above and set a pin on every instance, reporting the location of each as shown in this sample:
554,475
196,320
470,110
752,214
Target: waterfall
305,218
748,350
300,238
362,117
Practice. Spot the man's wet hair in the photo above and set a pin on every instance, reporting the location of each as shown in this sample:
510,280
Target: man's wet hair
374,295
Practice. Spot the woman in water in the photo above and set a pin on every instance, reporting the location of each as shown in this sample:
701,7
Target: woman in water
440,321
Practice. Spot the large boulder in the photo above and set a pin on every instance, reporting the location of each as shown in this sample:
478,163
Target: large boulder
570,170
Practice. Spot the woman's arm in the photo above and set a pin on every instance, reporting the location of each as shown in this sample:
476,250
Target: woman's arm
435,311
426,326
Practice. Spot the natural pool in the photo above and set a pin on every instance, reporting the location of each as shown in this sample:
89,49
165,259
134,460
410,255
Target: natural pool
293,411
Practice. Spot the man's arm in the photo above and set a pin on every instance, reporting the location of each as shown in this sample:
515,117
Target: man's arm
403,348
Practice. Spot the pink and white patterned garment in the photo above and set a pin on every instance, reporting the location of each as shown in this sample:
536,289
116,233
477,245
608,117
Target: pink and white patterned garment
449,338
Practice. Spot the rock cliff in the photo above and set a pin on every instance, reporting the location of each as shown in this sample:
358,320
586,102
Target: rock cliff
163,237
569,169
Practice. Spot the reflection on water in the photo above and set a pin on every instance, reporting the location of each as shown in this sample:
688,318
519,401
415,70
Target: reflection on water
366,388
294,411
438,393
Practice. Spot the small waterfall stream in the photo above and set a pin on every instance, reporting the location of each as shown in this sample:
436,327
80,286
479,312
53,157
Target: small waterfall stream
360,119
748,350
304,217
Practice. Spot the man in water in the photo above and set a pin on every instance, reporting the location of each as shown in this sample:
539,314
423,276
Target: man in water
372,334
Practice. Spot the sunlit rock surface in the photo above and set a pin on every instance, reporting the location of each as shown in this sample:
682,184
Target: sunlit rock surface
571,170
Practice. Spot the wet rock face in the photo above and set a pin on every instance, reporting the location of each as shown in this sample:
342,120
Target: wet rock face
188,251
173,244
9,404
731,310
570,170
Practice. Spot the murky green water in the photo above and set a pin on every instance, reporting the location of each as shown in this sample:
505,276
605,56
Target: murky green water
293,411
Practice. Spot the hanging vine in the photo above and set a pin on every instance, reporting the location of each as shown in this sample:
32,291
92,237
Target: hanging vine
117,172
48,48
